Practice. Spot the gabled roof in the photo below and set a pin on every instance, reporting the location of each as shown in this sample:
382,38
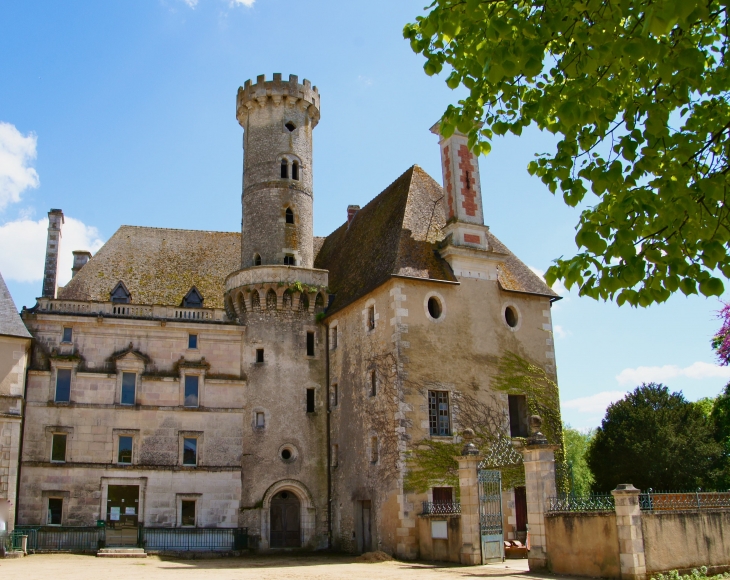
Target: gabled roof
159,266
397,233
394,234
10,322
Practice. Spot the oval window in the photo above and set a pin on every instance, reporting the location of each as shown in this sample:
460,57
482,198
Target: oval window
434,307
510,316
285,454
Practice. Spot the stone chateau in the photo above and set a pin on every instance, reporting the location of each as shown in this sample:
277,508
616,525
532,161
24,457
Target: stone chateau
270,379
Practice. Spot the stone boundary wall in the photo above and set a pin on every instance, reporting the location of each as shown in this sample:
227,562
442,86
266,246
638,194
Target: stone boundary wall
635,547
583,544
686,539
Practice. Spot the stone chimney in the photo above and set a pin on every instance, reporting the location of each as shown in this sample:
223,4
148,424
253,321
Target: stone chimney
50,275
351,211
80,258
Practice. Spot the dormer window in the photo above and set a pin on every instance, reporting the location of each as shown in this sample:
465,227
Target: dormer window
290,213
295,170
256,260
284,169
120,294
193,299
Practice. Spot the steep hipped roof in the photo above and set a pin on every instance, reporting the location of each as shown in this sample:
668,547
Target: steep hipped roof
10,322
397,234
159,266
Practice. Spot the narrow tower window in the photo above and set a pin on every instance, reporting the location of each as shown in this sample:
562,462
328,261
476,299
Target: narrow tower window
290,126
284,169
289,212
310,400
310,344
295,170
256,260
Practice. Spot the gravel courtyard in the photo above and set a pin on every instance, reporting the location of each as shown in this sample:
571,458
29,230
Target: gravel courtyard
76,567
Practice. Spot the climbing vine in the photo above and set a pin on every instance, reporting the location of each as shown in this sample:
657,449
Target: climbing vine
433,462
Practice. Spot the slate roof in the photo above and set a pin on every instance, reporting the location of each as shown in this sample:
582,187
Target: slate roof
159,266
10,322
397,233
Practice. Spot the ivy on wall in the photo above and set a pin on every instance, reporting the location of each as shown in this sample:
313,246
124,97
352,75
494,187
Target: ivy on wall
433,462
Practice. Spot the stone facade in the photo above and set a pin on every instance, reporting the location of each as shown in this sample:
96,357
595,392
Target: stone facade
315,364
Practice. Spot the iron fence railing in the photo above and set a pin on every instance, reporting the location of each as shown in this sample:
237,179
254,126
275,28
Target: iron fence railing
194,539
683,500
78,539
441,508
590,503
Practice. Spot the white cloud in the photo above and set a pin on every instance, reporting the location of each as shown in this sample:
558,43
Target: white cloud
191,3
364,81
593,404
560,332
247,3
698,370
17,152
26,243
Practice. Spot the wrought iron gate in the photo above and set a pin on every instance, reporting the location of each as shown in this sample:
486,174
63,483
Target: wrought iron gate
490,515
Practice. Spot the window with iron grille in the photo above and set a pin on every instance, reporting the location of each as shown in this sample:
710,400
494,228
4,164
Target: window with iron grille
438,413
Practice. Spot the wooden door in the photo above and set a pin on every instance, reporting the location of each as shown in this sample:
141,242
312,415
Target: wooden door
367,537
520,509
285,521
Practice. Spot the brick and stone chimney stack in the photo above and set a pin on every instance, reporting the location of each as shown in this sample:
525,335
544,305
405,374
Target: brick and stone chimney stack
278,118
351,211
50,275
80,259
466,239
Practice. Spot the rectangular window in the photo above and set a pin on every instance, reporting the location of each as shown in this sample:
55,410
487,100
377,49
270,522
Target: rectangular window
129,383
67,335
517,415
310,400
371,318
55,510
192,341
191,390
125,450
259,355
58,448
373,383
334,337
190,451
373,450
335,395
310,344
335,455
260,419
443,495
63,385
188,513
438,413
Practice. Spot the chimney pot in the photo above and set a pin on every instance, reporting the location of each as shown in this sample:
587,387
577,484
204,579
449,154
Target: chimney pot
80,259
351,211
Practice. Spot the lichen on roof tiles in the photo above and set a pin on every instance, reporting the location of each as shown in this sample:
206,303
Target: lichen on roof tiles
159,266
10,322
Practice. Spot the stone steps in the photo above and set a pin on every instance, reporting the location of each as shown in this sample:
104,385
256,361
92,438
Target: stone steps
121,553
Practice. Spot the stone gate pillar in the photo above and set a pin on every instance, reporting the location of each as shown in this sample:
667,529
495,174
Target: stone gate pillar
471,549
630,533
539,459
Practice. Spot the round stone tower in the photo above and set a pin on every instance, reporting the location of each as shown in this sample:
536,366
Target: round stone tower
277,118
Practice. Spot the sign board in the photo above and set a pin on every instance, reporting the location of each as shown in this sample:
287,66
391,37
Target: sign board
114,513
129,511
439,530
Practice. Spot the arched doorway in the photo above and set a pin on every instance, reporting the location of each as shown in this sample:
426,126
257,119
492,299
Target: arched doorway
285,521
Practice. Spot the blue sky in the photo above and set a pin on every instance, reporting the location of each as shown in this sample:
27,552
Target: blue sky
124,113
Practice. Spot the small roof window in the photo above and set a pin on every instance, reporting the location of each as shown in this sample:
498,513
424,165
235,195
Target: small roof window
120,294
193,299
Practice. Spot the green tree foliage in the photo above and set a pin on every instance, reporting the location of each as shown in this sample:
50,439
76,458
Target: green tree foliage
576,447
637,91
655,439
720,417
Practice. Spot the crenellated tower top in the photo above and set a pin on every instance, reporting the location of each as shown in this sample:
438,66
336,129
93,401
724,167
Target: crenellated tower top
276,92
